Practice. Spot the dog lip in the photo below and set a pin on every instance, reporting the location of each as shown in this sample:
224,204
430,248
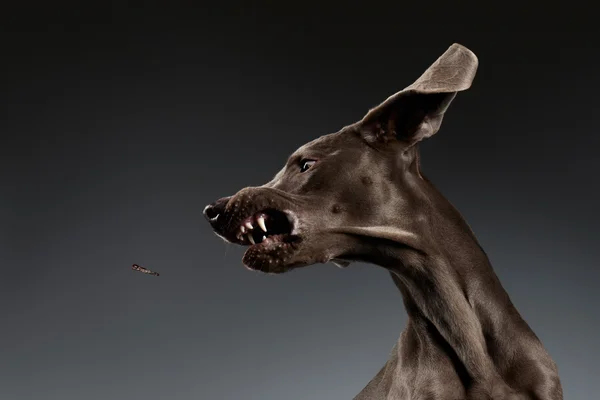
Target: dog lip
293,220
271,255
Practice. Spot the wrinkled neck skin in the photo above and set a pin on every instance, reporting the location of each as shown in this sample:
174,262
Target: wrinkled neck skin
462,326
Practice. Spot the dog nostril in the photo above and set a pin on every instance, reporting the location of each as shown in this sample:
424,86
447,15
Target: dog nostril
210,212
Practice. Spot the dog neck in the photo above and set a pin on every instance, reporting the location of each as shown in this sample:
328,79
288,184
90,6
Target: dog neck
450,291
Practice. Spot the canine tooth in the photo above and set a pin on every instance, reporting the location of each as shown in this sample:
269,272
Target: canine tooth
264,238
261,223
243,229
249,225
250,238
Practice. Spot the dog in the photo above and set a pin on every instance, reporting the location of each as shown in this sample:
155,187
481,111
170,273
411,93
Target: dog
358,195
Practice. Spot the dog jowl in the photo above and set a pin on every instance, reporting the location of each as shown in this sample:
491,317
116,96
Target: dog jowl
359,195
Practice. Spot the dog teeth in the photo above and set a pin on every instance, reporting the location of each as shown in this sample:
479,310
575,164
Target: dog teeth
247,228
261,222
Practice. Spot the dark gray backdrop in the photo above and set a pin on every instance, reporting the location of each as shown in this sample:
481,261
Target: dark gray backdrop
118,125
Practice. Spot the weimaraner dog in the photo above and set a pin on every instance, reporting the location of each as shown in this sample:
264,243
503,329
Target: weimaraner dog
359,195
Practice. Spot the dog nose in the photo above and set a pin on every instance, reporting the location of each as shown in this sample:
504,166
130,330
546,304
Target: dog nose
210,212
214,210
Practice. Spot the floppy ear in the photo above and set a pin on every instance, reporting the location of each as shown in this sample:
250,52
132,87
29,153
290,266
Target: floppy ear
416,112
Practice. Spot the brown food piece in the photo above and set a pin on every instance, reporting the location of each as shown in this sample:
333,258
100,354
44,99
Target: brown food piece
139,268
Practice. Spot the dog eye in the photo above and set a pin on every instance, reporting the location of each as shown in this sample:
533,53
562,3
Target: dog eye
306,164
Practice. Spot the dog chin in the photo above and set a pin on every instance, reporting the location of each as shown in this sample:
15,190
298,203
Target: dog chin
278,258
273,256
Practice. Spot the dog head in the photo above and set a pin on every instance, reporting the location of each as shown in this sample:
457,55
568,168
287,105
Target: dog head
340,195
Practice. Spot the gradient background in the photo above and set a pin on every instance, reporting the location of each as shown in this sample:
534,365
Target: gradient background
119,124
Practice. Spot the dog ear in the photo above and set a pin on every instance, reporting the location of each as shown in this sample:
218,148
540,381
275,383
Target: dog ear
416,112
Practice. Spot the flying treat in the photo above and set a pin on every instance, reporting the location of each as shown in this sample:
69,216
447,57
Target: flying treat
139,268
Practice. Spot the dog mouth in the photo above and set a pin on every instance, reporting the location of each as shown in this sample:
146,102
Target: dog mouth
271,238
264,228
